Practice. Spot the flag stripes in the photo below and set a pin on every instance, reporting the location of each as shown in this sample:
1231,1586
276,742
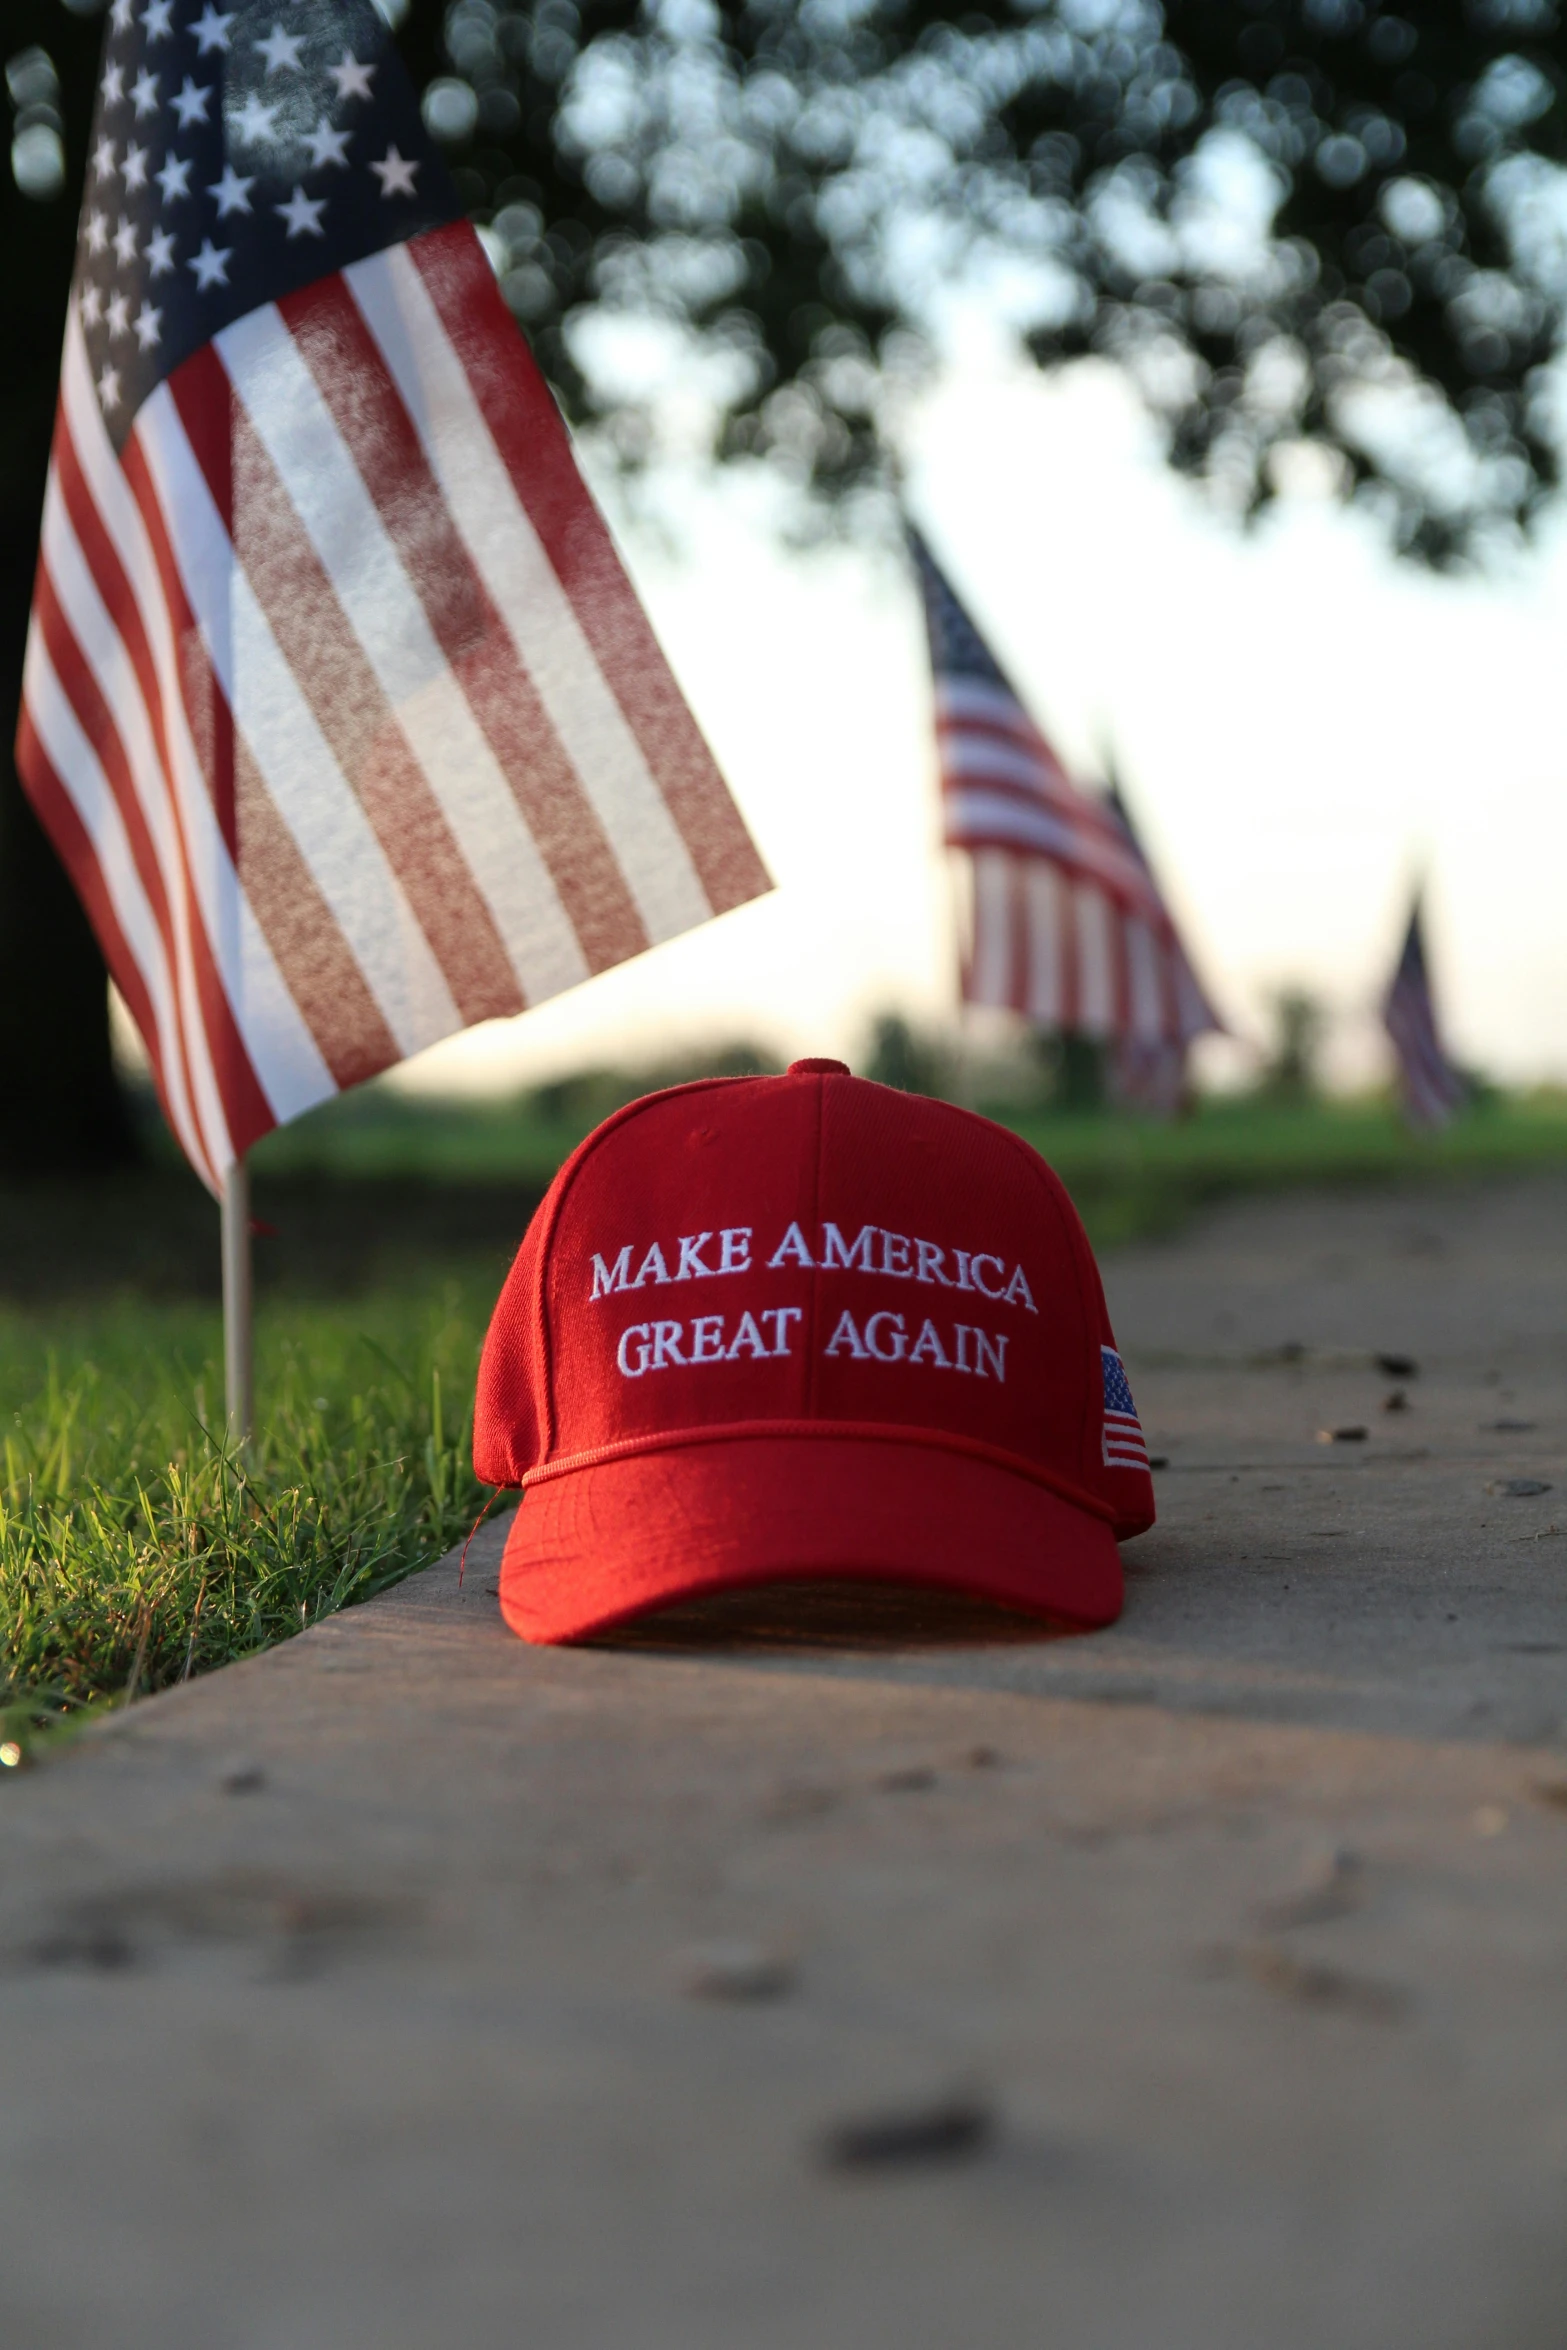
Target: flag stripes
486,503
1066,955
1069,927
339,705
1122,1443
519,418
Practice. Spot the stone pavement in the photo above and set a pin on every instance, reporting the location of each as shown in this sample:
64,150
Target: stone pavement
819,1972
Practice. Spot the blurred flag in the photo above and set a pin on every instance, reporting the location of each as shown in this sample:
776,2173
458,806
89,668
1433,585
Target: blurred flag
1069,927
1149,1073
339,706
1430,1087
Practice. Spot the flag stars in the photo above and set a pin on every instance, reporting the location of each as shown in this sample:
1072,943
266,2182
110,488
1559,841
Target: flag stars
97,233
254,121
173,177
231,193
148,323
90,305
190,102
211,29
352,78
395,173
144,93
117,315
160,253
302,214
109,388
280,49
120,15
326,145
113,85
155,19
135,168
211,267
125,242
103,159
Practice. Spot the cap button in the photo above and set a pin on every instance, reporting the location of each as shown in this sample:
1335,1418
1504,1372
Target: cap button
819,1069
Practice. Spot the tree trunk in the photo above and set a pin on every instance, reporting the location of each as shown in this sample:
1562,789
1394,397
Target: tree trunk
61,1105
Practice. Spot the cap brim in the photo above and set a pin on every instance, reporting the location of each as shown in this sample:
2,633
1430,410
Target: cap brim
612,1540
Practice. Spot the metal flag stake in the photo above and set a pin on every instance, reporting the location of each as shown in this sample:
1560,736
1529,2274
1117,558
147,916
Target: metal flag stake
238,1338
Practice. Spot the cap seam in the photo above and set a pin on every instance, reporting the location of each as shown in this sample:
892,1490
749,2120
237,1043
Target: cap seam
843,1431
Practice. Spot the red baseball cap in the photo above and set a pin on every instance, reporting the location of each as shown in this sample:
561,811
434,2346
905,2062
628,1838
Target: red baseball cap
805,1326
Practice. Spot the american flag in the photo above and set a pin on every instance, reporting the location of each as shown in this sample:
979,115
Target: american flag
339,706
1069,926
1124,1447
1430,1087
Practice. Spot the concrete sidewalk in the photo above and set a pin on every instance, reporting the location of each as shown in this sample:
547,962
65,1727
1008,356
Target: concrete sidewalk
820,1973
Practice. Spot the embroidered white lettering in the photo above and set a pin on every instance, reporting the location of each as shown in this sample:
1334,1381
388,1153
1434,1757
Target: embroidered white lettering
980,1283
707,1338
751,1338
615,1276
1019,1293
791,1250
963,1280
895,1255
781,1317
846,1335
931,1261
928,1348
691,1265
652,1267
884,1338
897,1338
734,1249
836,1252
666,1345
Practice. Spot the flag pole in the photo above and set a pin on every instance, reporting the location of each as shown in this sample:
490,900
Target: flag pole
238,1384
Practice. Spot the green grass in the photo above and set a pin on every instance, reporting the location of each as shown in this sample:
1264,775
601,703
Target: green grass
135,1549
1133,1178
1130,1177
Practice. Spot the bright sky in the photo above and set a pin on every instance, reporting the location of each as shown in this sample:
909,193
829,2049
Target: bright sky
1301,724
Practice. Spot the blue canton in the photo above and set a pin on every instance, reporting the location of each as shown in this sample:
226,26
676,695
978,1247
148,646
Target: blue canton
1118,1393
238,153
956,647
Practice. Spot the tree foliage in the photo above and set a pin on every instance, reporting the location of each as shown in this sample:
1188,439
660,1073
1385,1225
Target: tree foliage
1300,224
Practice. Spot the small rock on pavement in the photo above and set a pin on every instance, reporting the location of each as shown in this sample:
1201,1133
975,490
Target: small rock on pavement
1517,1488
736,1970
953,2128
242,1776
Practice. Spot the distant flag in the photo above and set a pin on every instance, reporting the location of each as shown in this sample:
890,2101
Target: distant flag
339,706
1430,1087
1069,926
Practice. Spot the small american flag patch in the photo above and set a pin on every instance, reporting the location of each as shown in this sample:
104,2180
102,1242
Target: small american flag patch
1123,1436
